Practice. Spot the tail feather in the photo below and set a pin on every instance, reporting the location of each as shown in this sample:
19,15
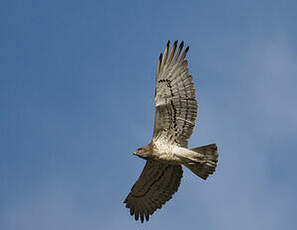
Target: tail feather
209,163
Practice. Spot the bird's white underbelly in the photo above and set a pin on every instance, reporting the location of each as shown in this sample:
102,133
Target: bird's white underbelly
169,153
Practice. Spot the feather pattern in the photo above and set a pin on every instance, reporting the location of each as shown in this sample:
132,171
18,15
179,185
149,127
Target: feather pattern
175,98
176,110
156,185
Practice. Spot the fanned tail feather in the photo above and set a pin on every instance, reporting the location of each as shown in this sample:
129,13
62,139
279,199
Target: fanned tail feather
209,163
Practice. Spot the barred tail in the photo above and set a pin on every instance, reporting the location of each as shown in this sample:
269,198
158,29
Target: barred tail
209,163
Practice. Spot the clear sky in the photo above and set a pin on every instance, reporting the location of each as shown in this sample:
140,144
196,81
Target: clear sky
76,99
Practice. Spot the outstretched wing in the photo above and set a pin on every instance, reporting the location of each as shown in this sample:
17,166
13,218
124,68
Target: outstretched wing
175,98
156,185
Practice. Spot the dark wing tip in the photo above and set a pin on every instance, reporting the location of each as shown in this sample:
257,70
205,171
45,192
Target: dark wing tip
187,49
168,43
147,217
175,43
181,45
136,216
160,58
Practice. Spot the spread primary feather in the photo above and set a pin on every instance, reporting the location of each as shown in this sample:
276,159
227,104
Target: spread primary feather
176,110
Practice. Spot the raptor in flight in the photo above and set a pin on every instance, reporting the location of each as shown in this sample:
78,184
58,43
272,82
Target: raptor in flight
175,114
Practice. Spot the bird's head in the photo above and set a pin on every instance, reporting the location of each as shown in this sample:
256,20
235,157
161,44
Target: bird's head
143,152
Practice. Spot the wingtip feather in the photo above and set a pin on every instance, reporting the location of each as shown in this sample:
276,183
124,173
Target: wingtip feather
160,57
175,44
168,43
181,46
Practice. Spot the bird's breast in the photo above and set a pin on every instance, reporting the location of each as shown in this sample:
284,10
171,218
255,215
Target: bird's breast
165,152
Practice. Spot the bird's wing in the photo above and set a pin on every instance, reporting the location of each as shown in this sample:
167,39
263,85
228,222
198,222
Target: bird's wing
175,99
156,185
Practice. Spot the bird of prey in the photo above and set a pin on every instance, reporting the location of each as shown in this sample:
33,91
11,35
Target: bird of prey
175,114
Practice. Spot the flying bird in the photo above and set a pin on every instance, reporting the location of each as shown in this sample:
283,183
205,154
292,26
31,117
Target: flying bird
176,110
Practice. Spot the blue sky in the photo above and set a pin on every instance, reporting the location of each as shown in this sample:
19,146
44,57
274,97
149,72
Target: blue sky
76,98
